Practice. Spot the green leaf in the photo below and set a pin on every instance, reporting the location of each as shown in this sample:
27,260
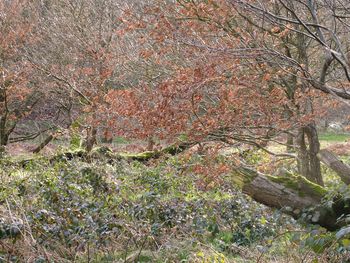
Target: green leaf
346,242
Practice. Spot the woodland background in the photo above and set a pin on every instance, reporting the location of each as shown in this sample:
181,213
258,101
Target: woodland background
174,131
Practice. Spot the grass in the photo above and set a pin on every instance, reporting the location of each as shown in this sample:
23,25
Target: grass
334,137
326,139
120,140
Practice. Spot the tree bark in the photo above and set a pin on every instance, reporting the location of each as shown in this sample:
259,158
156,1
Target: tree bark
290,143
308,147
342,169
90,139
150,143
3,133
287,191
295,195
314,148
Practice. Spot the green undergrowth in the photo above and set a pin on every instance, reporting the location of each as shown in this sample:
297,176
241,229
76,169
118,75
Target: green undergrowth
70,210
334,137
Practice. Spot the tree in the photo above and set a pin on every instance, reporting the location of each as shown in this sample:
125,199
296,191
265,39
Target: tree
204,79
234,72
30,104
325,27
312,36
247,75
18,91
80,52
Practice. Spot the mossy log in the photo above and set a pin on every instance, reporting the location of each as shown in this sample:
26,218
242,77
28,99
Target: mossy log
142,157
295,192
106,153
148,155
295,195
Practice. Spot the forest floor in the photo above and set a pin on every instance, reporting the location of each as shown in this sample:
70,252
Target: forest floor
183,208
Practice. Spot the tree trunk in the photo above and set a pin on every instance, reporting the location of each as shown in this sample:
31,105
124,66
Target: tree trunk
303,163
90,139
308,147
290,143
150,144
285,191
342,169
326,125
296,195
2,151
314,148
3,133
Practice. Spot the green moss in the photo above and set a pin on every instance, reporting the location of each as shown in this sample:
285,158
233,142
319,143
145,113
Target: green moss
243,176
300,184
144,156
289,181
314,187
174,149
103,151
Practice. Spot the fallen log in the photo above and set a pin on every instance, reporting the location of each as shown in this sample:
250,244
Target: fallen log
285,191
107,154
333,162
147,155
295,195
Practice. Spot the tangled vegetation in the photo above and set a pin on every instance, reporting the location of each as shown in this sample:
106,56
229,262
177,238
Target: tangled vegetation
169,210
222,107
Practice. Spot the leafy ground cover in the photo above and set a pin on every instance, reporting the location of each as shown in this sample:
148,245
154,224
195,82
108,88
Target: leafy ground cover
171,210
